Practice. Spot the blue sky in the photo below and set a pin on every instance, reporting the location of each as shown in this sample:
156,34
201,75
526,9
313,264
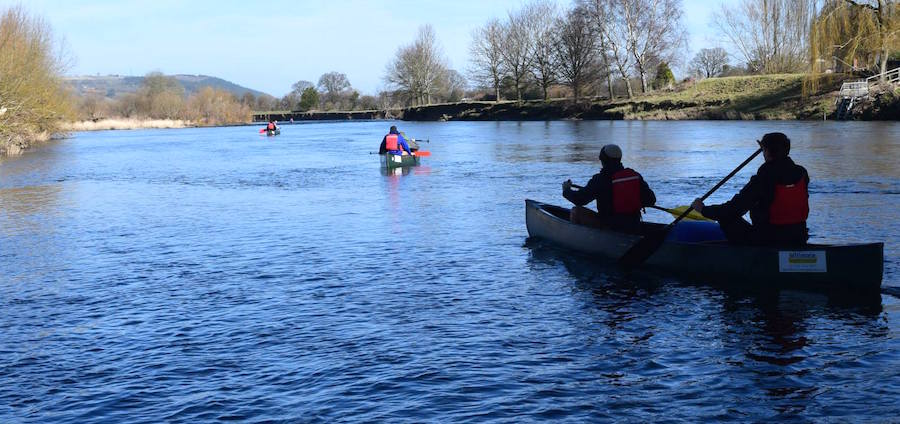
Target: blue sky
269,45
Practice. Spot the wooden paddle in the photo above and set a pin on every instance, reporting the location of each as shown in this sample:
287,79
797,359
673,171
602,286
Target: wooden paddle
646,246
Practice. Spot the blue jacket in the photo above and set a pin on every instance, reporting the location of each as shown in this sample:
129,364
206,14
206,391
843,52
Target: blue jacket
400,141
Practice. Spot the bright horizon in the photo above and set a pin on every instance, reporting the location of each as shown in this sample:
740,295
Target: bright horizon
228,39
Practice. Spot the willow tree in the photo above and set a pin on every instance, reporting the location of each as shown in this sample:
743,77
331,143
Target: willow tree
857,34
33,100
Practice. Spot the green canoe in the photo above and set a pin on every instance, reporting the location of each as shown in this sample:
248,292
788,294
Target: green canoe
396,161
849,268
271,133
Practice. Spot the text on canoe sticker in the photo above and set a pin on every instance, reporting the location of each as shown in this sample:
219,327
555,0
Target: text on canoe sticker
802,261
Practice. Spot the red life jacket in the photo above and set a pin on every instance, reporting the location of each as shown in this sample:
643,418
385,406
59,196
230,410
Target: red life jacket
390,142
790,205
626,192
271,126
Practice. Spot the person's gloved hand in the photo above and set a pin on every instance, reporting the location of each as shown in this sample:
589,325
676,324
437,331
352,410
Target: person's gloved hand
567,185
698,205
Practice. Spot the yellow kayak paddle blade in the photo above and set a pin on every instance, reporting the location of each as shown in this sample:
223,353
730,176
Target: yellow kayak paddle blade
693,216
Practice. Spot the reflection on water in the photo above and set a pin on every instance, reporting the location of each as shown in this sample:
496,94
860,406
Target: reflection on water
209,274
772,347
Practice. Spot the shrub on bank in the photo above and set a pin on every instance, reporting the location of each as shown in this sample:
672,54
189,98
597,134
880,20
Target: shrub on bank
162,98
33,101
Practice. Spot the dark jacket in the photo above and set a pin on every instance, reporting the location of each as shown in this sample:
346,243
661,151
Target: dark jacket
599,188
757,196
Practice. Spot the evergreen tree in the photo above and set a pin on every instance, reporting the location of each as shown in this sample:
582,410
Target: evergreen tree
664,77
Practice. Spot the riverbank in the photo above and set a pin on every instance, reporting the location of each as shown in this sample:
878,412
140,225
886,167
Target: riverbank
761,97
770,97
125,124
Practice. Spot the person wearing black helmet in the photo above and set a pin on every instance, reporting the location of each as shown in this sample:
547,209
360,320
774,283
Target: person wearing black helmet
620,194
776,197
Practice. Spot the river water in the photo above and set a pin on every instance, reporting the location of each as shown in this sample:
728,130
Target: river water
200,275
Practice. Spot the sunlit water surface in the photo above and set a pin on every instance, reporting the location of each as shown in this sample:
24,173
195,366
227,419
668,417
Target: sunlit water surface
209,274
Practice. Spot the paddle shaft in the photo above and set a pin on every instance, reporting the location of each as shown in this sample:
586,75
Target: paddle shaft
650,243
651,206
713,190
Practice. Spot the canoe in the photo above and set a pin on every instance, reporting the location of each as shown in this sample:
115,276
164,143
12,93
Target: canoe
395,161
271,133
848,268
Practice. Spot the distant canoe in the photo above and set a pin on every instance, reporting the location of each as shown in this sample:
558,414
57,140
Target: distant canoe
396,161
852,268
271,133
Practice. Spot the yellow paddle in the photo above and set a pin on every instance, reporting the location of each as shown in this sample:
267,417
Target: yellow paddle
678,210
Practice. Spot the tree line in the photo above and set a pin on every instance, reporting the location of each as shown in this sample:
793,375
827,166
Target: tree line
607,47
163,97
591,48
594,45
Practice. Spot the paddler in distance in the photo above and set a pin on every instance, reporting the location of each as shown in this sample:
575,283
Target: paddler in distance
394,143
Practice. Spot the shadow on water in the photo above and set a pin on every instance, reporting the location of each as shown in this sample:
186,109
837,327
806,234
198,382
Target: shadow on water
590,271
775,345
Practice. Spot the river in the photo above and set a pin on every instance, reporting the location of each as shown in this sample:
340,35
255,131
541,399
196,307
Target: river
200,275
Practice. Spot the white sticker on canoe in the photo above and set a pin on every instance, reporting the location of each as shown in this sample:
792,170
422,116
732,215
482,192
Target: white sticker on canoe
802,261
397,159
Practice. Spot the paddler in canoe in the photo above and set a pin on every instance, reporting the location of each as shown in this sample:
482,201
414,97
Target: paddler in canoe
621,193
776,197
271,126
394,143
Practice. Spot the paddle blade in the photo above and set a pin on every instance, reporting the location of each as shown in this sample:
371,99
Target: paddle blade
262,130
642,250
693,216
422,153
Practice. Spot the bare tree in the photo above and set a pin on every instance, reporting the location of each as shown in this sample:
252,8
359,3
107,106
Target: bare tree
576,50
301,85
543,63
597,12
333,85
652,30
161,96
709,62
453,86
518,48
771,35
608,19
419,68
486,60
615,33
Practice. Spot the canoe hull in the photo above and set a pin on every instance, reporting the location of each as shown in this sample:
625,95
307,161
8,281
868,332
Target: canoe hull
854,268
396,161
271,133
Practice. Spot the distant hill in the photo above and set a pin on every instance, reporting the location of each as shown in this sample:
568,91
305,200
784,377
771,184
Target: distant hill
114,85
